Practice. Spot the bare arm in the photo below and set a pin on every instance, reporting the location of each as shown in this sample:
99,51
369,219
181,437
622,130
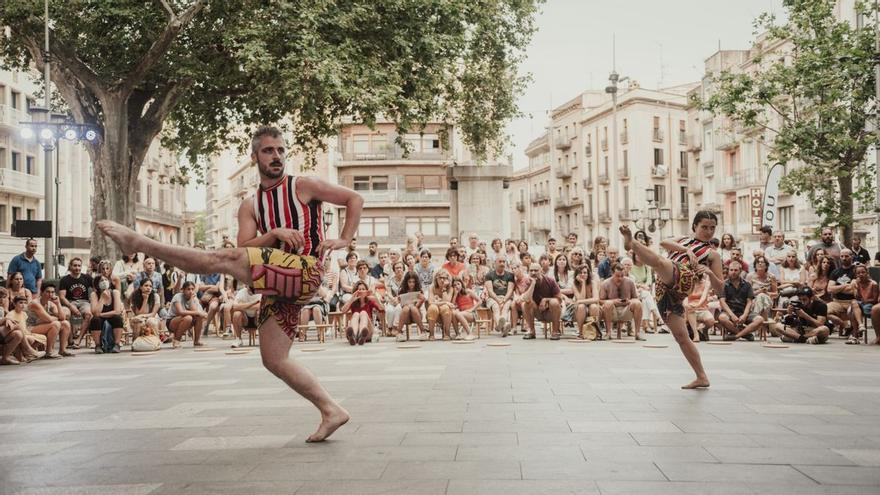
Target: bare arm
247,228
672,244
310,188
40,311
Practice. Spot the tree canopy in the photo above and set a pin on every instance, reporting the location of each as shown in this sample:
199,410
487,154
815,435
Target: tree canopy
811,98
204,69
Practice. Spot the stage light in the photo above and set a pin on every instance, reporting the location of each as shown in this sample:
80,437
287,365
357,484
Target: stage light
91,135
47,134
71,134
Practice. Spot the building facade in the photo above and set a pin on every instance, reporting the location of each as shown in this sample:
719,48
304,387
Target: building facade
531,212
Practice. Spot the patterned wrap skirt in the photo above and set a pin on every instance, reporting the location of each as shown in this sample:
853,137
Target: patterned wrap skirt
670,298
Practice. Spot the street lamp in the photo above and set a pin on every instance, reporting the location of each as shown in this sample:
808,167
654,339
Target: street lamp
653,217
328,219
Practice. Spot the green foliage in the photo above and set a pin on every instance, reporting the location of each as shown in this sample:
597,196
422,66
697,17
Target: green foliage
245,63
812,99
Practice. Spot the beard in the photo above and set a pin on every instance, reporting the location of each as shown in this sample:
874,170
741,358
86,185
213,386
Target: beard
269,172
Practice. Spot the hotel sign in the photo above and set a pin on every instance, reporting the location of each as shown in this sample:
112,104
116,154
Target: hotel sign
756,203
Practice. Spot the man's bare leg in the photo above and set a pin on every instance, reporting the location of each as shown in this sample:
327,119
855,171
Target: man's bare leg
751,327
679,331
232,262
275,350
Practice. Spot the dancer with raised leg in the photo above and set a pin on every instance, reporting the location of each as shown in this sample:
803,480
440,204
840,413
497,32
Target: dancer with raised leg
281,248
688,258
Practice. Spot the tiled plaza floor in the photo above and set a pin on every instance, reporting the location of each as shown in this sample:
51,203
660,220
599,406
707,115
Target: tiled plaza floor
443,418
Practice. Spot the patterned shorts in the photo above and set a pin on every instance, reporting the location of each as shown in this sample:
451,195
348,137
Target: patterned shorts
286,281
670,297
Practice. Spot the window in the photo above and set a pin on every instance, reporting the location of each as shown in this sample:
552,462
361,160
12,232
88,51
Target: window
427,184
590,204
660,195
361,183
149,194
16,161
429,226
423,143
625,161
16,213
2,155
371,227
30,165
379,182
605,168
743,210
31,213
4,224
522,229
683,195
656,122
683,160
360,143
786,214
15,101
658,156
626,199
574,158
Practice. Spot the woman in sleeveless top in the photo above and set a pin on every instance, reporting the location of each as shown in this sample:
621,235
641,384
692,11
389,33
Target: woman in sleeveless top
106,307
687,259
819,280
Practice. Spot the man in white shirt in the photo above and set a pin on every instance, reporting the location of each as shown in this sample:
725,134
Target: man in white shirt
244,313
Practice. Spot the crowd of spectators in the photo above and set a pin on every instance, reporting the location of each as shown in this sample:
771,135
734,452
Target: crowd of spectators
508,285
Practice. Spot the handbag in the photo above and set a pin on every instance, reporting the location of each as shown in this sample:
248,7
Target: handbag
589,330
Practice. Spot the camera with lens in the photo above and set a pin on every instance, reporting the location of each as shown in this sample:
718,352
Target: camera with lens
789,292
795,305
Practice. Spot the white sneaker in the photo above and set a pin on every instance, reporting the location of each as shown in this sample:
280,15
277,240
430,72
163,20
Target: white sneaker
238,343
401,337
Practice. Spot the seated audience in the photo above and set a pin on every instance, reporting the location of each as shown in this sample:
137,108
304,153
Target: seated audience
498,289
585,297
31,343
805,320
865,305
620,301
737,319
543,303
604,267
145,304
764,287
425,270
348,275
440,305
392,289
45,318
360,310
186,313
16,288
73,292
245,310
13,336
521,285
465,312
411,309
107,309
842,292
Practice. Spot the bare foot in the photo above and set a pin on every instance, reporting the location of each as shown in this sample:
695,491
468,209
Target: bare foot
123,236
627,237
329,424
698,383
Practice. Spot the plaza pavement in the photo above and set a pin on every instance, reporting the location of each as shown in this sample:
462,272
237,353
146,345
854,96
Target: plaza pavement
535,417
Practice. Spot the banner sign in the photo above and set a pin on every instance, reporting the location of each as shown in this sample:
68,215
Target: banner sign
755,198
771,196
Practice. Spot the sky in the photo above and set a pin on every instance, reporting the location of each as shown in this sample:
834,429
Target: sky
659,43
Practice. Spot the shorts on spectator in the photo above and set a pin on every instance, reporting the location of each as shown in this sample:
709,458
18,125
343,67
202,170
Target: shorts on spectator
839,309
96,323
621,313
866,308
82,306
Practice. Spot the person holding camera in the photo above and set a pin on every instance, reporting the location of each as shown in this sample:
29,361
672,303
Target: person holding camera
806,320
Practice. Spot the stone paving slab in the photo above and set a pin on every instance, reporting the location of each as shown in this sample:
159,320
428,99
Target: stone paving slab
533,418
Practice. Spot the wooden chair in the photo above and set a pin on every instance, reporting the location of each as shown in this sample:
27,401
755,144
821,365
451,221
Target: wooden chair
484,319
337,320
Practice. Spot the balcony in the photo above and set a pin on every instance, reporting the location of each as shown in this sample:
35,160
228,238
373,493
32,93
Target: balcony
624,214
540,197
15,182
659,171
604,217
520,206
588,183
682,138
563,142
540,226
683,212
404,197
393,153
695,185
588,219
725,140
624,136
623,172
657,135
563,172
576,201
588,151
740,179
603,178
561,202
604,144
156,215
11,117
694,142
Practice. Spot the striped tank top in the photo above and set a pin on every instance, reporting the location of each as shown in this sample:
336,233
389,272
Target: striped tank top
700,248
279,207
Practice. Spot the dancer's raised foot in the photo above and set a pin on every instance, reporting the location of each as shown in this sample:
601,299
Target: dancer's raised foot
329,423
698,383
123,236
627,237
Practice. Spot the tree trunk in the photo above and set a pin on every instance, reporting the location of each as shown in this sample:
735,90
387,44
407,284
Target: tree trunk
846,208
114,177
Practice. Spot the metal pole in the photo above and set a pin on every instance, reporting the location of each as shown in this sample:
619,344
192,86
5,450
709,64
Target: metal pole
49,256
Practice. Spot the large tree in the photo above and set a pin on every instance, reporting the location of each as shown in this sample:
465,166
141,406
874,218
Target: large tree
811,98
203,69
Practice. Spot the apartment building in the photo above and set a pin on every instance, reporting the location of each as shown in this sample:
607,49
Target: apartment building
160,202
531,218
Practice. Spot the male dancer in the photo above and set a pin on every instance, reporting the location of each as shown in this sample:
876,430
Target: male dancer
282,244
